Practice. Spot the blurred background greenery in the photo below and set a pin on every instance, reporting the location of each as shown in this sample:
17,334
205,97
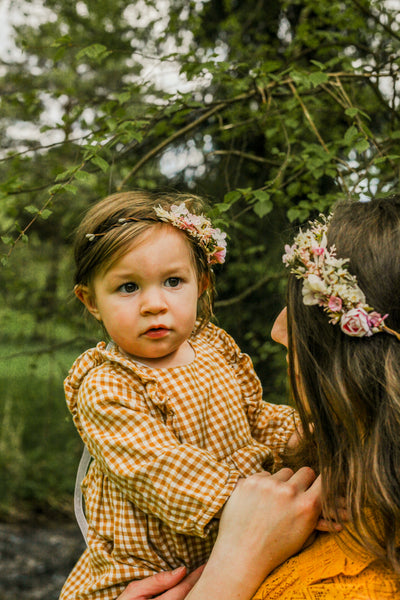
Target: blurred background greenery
272,109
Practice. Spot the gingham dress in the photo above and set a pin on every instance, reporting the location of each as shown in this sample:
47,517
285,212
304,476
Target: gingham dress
168,446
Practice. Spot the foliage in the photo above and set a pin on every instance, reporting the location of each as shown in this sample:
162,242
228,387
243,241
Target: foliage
272,109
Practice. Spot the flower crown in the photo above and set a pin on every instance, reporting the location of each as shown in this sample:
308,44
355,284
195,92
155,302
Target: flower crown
328,283
212,240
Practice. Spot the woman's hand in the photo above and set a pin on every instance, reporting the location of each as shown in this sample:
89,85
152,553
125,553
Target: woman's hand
267,519
175,585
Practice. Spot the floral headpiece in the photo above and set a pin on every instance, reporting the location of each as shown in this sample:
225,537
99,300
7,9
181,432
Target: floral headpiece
328,283
211,239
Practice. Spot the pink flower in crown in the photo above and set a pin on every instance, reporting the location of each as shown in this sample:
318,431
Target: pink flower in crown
355,322
289,253
375,319
335,304
199,221
218,256
318,251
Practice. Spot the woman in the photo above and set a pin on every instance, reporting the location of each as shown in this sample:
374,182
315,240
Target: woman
342,328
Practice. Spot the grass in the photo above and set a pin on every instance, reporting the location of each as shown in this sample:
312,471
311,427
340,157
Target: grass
39,447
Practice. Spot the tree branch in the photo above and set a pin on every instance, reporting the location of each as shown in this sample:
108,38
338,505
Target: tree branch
181,132
368,13
248,291
244,155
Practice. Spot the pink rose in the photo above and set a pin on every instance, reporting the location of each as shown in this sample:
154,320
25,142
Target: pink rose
355,322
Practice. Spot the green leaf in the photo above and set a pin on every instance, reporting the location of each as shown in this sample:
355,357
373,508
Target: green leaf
123,97
69,187
66,174
317,77
101,163
351,112
271,65
362,145
62,41
350,135
297,212
95,52
56,188
263,208
82,176
221,207
245,191
232,197
261,195
300,77
32,210
45,214
318,64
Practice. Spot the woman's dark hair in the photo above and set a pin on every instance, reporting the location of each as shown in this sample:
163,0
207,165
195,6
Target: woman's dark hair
347,389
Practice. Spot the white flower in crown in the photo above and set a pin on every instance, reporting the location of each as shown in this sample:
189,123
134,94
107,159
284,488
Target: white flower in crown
314,290
211,239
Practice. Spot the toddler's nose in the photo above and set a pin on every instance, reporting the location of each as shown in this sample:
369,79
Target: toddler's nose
153,302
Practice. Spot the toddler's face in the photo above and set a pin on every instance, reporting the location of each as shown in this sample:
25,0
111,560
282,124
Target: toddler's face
147,300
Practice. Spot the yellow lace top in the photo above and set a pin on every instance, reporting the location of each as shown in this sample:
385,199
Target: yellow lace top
330,570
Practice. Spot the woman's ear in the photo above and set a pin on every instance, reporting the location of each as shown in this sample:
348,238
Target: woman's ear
83,293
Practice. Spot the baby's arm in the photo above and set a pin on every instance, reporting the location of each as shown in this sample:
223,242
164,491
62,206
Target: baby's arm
274,425
271,424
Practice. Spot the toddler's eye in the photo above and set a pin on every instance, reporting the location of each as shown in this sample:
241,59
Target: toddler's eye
173,282
128,288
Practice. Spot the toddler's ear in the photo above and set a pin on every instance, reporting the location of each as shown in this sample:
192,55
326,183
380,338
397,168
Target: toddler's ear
83,293
203,284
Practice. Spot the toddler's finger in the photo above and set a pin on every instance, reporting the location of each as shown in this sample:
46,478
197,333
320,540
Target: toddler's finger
155,584
180,591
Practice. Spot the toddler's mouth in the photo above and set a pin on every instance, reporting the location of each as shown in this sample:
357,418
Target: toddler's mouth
156,332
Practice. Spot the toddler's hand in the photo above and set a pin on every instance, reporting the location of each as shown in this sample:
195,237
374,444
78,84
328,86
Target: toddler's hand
172,585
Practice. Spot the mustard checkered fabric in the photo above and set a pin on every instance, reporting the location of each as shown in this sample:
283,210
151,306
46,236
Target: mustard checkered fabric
168,446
